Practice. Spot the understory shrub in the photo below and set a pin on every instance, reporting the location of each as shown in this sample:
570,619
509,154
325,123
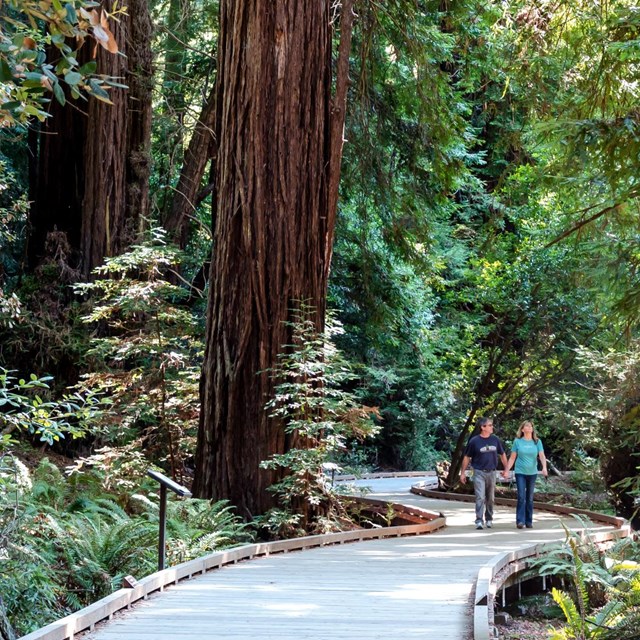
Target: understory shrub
66,542
602,601
322,417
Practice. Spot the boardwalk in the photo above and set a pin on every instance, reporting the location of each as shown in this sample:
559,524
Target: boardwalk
413,587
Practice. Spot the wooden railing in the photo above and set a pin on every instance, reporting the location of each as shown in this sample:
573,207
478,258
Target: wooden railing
104,609
505,566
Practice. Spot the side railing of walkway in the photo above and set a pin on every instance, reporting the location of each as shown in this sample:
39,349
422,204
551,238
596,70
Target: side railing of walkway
505,566
104,609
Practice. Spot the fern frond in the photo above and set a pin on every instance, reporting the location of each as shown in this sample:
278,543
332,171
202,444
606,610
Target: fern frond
571,613
607,616
579,582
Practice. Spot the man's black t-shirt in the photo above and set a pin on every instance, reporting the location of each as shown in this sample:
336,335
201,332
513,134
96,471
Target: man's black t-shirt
484,452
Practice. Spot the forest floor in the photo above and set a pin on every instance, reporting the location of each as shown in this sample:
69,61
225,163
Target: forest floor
31,457
526,629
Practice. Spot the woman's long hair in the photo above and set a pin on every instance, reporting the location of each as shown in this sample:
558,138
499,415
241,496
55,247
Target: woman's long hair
534,435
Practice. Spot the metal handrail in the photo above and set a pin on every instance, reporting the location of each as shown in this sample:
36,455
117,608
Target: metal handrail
183,492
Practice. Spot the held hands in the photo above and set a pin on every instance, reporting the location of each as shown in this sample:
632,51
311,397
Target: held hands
505,474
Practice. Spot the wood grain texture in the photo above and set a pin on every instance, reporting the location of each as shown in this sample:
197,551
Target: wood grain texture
418,587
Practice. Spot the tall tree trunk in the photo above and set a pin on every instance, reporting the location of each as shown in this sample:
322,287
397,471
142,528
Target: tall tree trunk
93,168
139,79
117,147
200,150
57,187
273,229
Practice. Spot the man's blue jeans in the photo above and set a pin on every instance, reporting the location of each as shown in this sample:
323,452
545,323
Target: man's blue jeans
484,485
525,485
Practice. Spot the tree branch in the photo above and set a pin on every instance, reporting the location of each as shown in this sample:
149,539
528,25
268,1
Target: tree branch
338,115
585,221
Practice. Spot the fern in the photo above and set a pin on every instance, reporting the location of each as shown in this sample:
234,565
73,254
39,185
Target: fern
579,580
619,617
73,547
626,629
575,622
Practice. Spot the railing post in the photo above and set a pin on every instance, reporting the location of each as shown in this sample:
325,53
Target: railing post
165,483
330,467
162,533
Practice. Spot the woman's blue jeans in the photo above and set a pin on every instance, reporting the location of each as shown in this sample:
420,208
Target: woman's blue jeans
525,485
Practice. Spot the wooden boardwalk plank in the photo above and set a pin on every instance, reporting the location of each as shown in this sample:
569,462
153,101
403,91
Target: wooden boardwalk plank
412,587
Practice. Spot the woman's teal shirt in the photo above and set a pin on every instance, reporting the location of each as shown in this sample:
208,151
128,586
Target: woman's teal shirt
527,460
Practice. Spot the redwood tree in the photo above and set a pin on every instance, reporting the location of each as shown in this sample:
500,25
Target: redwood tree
91,178
279,142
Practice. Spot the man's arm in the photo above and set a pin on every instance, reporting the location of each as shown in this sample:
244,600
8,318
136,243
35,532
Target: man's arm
463,470
506,464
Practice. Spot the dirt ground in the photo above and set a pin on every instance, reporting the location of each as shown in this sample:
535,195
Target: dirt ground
32,457
526,629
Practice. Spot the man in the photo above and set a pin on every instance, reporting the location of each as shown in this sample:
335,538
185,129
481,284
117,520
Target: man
482,452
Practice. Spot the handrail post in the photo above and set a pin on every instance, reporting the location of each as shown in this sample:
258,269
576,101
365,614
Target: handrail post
331,467
162,533
165,483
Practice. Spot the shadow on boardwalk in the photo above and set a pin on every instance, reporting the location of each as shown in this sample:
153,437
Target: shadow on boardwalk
412,587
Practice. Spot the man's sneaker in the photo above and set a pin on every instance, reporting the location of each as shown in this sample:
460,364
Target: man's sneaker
489,524
520,525
478,525
529,526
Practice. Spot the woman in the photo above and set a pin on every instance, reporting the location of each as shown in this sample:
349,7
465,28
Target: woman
527,448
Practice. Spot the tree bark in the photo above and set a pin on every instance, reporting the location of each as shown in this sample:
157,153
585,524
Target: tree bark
6,630
57,186
93,167
117,147
274,225
139,79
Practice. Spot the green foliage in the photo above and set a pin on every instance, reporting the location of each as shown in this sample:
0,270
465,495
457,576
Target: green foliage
13,212
185,42
604,601
197,527
71,542
24,409
605,420
320,414
443,277
27,75
145,353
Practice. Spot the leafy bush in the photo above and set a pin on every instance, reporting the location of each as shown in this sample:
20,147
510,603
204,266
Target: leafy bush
323,419
66,542
603,602
145,354
23,409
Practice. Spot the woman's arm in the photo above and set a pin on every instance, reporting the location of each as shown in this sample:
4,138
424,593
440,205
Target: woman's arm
543,461
512,459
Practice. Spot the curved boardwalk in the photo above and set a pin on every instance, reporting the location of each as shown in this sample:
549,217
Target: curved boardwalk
411,587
